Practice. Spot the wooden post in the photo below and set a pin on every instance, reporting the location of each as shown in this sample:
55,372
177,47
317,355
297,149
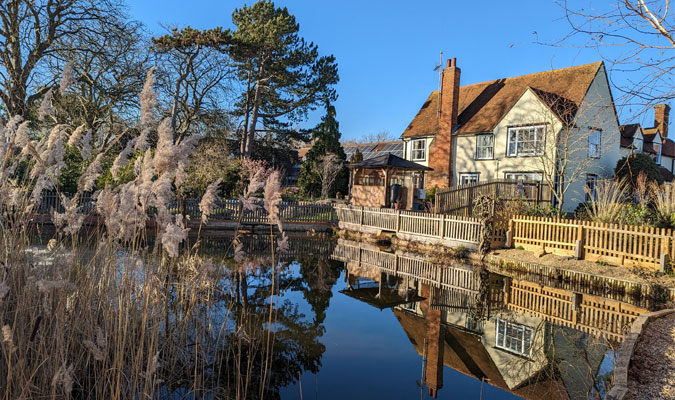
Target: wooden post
665,253
361,218
537,194
579,245
398,220
441,233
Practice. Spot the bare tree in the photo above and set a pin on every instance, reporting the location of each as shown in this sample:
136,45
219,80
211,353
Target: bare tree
633,37
571,150
194,74
32,31
108,72
378,137
331,166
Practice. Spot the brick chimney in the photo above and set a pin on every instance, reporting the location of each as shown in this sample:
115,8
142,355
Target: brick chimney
434,335
440,151
661,117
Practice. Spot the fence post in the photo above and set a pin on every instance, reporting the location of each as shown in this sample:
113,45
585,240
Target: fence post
537,195
398,220
509,235
361,217
441,232
579,245
665,251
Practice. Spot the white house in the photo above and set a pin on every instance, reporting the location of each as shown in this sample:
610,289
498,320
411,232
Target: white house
528,127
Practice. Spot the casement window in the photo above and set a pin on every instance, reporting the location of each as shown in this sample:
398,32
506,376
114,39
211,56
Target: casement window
591,185
485,147
419,149
657,149
594,141
468,178
514,337
638,144
526,141
524,176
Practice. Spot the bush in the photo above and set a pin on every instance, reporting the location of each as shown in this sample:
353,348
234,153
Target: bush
630,167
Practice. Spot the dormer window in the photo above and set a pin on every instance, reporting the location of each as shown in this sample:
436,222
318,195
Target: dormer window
638,144
657,150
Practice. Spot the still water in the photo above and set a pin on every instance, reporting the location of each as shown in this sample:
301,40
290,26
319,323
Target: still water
358,322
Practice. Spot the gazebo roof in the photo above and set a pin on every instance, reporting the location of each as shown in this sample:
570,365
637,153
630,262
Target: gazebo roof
388,160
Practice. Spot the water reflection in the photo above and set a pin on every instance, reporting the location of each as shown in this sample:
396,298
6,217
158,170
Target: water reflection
528,338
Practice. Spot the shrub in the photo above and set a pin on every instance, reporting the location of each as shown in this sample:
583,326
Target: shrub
610,196
630,167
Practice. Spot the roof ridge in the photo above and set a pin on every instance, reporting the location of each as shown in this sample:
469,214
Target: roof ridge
599,63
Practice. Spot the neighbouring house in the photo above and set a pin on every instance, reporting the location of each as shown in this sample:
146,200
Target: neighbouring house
386,180
528,127
654,141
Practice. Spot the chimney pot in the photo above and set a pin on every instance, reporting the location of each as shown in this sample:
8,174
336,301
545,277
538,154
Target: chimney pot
449,63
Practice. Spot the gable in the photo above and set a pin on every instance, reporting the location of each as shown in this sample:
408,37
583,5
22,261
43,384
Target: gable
483,105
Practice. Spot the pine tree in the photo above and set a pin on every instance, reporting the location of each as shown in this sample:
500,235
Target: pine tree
325,139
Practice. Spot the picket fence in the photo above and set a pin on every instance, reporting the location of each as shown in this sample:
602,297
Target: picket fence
628,245
460,229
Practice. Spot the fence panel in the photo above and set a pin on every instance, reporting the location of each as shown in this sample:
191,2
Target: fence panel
617,244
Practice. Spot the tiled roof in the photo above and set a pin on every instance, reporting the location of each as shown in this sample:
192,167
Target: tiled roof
389,160
482,105
369,150
666,174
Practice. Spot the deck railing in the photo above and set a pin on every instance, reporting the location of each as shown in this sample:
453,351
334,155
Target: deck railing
629,245
460,229
225,210
458,200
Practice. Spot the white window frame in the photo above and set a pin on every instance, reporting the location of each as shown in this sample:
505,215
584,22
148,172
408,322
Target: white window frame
413,150
595,143
511,343
591,184
474,177
520,176
483,146
638,144
516,145
657,158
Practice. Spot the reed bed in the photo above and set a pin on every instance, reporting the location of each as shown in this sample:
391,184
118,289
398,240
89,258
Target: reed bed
104,314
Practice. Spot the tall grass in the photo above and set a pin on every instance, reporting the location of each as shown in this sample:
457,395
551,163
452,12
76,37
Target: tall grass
105,314
609,202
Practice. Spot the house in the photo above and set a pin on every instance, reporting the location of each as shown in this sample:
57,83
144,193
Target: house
529,127
654,141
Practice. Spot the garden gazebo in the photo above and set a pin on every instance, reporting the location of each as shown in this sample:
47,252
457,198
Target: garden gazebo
386,180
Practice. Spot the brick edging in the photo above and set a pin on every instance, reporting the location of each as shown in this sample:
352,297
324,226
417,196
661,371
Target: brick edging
622,364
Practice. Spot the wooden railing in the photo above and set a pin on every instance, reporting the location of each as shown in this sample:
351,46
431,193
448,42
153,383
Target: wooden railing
459,200
587,313
226,210
460,229
629,245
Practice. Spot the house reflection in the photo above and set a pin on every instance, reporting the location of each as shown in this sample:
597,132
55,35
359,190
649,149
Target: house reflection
530,339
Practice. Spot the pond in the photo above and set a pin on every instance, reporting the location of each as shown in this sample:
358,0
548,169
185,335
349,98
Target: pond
355,321
328,319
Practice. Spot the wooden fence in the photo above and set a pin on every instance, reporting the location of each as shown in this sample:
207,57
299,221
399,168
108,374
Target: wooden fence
408,266
459,200
460,229
226,210
587,313
628,245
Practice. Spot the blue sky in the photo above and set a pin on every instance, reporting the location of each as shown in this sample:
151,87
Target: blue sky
386,50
